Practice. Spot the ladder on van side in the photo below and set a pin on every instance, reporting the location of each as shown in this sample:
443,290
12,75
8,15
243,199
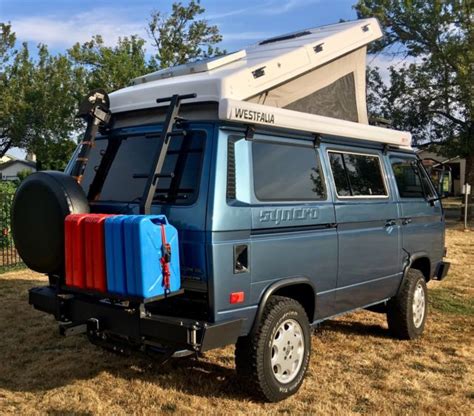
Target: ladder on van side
153,178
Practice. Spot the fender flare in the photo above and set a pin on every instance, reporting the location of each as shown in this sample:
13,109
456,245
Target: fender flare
279,284
412,257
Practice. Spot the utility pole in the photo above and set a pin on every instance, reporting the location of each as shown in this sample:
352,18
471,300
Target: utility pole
466,189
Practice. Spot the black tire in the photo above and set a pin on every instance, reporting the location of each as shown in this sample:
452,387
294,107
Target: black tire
41,203
253,353
403,323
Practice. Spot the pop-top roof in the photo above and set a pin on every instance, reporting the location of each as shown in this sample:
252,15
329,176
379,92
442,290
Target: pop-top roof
249,72
312,80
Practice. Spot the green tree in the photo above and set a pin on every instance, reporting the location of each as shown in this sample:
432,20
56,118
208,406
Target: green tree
21,176
109,67
37,97
182,37
15,72
432,94
54,155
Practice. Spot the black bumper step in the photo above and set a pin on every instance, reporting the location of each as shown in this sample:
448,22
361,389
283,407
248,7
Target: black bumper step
134,322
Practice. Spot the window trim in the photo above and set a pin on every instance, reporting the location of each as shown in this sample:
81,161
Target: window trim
382,171
289,143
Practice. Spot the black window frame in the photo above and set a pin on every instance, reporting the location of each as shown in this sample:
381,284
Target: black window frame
288,143
365,197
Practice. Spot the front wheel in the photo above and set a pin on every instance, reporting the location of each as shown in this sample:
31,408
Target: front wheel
274,359
406,312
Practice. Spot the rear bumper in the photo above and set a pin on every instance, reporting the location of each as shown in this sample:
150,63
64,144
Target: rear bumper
441,270
133,323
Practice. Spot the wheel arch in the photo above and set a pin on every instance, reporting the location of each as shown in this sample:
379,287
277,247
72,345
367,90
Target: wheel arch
418,261
299,288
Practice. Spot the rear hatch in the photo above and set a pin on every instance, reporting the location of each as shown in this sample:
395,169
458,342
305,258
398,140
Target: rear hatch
116,174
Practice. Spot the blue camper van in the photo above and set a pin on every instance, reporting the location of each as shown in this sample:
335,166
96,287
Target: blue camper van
289,208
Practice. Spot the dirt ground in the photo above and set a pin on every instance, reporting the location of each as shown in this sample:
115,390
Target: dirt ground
356,368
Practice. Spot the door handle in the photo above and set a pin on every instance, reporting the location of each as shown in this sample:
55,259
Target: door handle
390,223
406,221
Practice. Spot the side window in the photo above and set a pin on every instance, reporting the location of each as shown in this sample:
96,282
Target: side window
285,172
357,175
412,180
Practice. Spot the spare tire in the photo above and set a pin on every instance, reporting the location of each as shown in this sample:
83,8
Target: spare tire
41,204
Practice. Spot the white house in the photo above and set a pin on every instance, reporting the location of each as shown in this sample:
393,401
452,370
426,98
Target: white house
10,166
457,165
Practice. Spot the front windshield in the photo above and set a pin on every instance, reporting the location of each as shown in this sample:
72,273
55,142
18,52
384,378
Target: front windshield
132,163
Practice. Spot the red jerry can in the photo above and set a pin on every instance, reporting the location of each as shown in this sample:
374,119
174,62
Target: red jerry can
74,247
94,242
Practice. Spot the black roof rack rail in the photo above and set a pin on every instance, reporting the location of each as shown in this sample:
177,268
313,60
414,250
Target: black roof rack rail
285,37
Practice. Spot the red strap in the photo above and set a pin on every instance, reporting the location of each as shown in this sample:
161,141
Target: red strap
166,249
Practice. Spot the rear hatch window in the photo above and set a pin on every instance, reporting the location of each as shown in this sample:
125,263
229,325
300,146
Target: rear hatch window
129,160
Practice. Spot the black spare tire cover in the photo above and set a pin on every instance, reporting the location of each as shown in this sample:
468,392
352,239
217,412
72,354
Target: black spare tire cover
41,204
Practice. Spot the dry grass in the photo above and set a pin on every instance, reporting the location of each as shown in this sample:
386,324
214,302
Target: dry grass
355,367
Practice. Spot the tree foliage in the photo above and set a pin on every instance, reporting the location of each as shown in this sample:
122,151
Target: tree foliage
182,37
36,96
431,94
109,67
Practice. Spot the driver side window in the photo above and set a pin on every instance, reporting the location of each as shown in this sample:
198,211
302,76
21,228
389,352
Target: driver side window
412,180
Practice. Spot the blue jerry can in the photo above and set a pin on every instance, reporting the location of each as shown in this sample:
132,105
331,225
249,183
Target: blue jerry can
147,244
134,250
130,254
115,254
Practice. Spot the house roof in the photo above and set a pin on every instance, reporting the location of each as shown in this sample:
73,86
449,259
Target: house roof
13,162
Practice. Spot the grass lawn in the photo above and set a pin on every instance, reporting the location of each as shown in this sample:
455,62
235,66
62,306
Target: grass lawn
356,368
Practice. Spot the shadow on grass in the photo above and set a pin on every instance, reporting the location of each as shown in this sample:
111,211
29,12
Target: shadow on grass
34,357
355,328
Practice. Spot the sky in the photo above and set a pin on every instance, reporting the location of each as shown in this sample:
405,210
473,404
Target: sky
61,23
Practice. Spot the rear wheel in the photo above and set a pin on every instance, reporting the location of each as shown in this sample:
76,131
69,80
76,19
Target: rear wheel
406,312
274,359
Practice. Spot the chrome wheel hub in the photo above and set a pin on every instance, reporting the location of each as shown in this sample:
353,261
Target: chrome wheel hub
418,305
287,351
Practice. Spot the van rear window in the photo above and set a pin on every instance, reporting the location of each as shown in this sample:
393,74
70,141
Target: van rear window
284,172
357,175
132,162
